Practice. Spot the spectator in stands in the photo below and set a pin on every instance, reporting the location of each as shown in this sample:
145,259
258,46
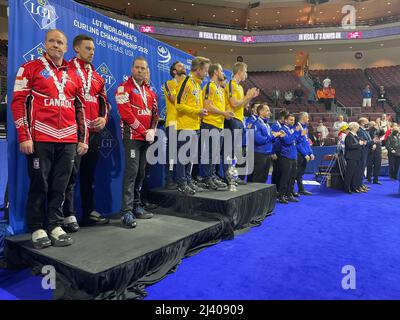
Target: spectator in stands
327,82
317,84
397,110
367,97
383,122
393,148
288,97
276,96
338,125
375,155
312,98
311,135
382,97
298,95
353,157
322,130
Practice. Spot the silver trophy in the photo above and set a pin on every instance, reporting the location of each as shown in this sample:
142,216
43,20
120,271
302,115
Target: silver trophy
232,174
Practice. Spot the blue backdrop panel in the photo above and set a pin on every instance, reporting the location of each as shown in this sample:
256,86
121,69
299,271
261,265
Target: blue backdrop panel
116,47
319,153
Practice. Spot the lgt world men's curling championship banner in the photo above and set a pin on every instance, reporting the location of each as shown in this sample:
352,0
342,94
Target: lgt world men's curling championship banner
116,47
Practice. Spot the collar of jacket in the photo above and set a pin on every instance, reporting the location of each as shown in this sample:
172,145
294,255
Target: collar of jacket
64,64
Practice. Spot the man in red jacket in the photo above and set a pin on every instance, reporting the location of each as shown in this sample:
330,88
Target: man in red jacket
97,109
138,111
48,112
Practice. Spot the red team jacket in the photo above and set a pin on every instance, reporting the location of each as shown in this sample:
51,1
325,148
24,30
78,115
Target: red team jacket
97,105
136,119
38,113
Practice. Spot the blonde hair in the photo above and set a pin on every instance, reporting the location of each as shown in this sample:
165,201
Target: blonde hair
353,126
199,62
238,66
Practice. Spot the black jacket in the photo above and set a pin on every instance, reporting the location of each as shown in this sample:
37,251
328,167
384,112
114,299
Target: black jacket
393,143
352,147
375,133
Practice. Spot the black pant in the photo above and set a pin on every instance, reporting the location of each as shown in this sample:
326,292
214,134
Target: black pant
184,168
394,163
301,169
287,168
262,164
361,168
134,173
374,164
86,166
171,164
234,126
351,176
214,143
49,169
276,174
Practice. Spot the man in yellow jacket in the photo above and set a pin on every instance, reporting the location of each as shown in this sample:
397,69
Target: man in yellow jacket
213,124
189,107
178,73
236,101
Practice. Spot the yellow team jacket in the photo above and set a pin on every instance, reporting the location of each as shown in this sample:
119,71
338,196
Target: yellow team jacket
188,104
235,90
217,95
169,89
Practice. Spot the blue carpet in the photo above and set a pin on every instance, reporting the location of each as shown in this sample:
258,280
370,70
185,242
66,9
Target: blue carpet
298,253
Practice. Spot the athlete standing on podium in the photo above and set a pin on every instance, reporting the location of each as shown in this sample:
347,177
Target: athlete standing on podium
97,110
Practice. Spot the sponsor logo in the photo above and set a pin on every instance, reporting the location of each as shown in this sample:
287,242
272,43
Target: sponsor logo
42,12
45,73
248,39
354,35
107,143
106,74
35,53
146,29
36,164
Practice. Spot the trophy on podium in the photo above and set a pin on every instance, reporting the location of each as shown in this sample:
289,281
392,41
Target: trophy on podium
232,174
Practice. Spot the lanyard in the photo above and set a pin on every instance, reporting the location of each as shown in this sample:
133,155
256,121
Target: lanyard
142,93
60,86
86,84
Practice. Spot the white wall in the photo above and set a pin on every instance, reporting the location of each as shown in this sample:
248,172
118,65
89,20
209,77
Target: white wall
318,60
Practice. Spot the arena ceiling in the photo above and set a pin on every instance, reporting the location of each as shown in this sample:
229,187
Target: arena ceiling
253,15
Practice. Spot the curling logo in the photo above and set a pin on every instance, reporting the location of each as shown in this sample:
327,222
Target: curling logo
106,74
34,53
42,12
164,54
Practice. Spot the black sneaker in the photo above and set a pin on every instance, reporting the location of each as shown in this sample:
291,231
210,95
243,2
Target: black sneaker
59,238
211,185
186,190
40,239
219,183
282,200
140,213
70,224
292,199
129,220
195,187
295,194
240,182
95,218
306,193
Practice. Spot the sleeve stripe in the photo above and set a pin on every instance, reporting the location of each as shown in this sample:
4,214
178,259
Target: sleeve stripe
182,88
230,88
167,89
207,91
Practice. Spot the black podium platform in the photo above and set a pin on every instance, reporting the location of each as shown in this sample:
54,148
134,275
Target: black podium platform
111,262
243,208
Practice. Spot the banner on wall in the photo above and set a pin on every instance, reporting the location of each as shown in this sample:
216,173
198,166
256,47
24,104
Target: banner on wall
116,46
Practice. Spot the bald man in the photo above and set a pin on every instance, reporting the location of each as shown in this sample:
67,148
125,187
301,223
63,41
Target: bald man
50,132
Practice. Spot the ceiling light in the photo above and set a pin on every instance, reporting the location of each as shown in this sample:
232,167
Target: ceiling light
177,44
233,11
276,20
334,18
389,3
300,11
174,9
204,47
192,4
278,12
389,11
290,49
350,47
382,44
213,15
256,13
363,8
231,50
129,3
319,48
236,20
321,12
256,21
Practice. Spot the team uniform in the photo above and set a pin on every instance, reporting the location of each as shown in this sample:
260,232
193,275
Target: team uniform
189,103
235,90
287,161
96,105
137,107
47,108
169,90
303,150
263,149
275,178
213,123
